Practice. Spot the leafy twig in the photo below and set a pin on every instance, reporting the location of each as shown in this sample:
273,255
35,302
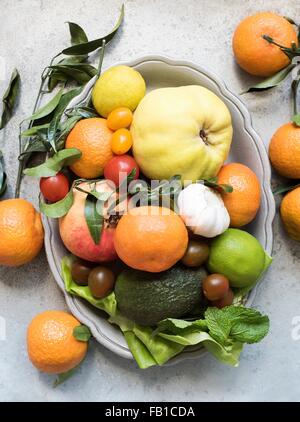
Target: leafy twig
22,158
10,98
285,188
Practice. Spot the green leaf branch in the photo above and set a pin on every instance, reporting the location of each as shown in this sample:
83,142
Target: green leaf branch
45,130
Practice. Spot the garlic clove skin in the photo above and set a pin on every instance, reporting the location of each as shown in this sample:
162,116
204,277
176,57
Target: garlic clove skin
202,210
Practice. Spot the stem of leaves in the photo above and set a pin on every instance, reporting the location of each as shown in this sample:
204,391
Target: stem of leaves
23,160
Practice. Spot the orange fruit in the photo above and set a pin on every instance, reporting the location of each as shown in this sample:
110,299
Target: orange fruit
243,203
151,238
22,232
256,55
290,213
51,345
93,138
284,151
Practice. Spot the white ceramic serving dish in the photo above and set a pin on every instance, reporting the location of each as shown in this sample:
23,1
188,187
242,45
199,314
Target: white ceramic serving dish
247,148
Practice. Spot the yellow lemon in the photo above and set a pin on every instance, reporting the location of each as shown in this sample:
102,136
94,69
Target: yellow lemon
119,86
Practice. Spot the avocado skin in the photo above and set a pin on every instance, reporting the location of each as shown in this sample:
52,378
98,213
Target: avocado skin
147,298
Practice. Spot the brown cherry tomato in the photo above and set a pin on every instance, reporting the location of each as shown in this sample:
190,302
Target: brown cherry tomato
196,253
225,300
119,118
80,271
101,282
215,286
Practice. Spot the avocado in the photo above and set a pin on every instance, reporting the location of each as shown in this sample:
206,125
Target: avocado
147,298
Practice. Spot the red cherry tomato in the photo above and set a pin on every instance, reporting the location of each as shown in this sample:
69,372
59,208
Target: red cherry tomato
54,188
118,167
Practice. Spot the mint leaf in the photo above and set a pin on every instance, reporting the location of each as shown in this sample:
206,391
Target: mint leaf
219,324
247,325
236,323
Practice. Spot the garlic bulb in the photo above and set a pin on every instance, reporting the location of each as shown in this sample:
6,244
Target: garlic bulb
202,210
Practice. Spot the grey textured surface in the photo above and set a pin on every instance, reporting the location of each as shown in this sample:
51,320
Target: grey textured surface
32,31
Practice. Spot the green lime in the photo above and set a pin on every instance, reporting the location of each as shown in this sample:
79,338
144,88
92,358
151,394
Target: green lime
239,256
119,86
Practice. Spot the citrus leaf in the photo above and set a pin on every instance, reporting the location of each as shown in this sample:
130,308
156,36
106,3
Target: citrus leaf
34,130
54,124
3,184
55,163
285,188
81,73
59,208
55,78
211,183
61,108
3,176
82,333
36,144
290,20
68,125
47,108
101,196
85,112
61,378
9,98
88,47
84,67
65,128
65,100
78,35
52,129
272,81
296,119
93,219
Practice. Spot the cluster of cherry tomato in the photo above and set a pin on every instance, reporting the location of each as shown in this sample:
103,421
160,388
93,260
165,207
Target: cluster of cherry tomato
100,280
122,164
215,286
55,188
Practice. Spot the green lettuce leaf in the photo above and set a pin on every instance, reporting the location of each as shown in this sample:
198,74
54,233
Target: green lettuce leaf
141,354
228,355
161,349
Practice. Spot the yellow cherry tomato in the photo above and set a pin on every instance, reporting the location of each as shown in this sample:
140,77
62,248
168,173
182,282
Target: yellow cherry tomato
121,141
119,118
